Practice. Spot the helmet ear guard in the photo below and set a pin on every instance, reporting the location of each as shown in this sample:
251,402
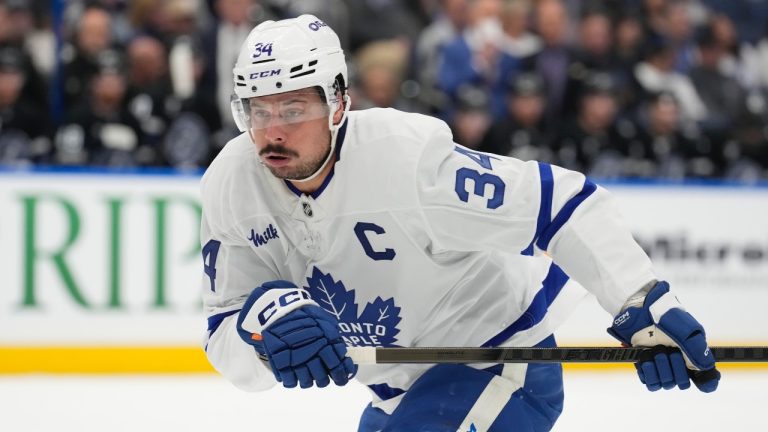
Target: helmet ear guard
336,93
238,112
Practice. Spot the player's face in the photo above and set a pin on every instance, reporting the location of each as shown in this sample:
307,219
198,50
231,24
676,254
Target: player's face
291,132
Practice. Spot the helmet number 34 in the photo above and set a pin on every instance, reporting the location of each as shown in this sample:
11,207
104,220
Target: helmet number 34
262,48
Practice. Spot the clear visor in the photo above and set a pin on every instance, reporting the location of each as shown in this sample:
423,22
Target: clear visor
282,110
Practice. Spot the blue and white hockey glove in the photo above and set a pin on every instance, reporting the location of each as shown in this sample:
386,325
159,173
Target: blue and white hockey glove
300,340
680,349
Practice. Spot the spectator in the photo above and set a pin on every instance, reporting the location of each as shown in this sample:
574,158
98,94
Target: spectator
746,154
6,27
472,118
101,131
146,17
680,31
748,62
39,40
120,26
591,142
628,38
180,18
721,94
148,65
202,103
474,59
553,61
186,145
595,54
657,74
16,22
751,17
92,38
188,140
677,150
732,62
380,19
654,16
517,40
522,133
423,10
149,94
24,135
428,52
595,47
380,70
629,42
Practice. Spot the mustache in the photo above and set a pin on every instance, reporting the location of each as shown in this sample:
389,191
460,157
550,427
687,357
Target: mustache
277,150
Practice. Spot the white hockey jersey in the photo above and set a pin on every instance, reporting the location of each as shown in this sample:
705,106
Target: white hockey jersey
412,240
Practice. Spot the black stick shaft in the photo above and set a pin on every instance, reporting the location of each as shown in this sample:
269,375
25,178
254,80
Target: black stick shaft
549,355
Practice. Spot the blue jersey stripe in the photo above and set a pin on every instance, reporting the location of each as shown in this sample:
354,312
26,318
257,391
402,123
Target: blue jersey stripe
565,214
385,392
545,204
551,286
214,321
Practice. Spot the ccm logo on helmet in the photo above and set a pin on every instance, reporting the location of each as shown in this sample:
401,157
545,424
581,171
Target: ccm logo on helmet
282,301
315,26
265,74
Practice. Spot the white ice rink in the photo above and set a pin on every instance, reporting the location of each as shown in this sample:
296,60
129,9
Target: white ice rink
595,402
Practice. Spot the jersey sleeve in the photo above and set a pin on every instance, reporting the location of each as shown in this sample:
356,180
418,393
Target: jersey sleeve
231,272
474,200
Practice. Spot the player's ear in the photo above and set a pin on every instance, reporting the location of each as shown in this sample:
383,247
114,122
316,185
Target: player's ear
339,107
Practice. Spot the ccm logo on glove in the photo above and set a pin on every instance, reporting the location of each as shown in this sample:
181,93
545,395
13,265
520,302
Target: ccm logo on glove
274,304
284,300
621,318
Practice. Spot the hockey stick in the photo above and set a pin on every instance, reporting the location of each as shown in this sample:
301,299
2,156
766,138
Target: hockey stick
378,355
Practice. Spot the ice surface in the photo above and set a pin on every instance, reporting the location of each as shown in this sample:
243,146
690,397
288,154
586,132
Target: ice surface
595,402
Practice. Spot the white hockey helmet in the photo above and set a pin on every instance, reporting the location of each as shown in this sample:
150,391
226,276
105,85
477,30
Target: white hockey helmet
288,55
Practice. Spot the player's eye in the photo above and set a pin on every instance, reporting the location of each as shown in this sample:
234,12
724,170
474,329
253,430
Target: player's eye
260,114
292,114
260,117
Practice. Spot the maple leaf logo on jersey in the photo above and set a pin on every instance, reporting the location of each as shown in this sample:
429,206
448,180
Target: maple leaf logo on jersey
375,326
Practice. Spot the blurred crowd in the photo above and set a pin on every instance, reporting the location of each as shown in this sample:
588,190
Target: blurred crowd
666,89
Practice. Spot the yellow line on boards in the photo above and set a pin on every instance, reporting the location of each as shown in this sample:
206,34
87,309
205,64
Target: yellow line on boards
185,359
103,360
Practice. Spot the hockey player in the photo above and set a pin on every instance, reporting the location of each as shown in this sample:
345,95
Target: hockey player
324,228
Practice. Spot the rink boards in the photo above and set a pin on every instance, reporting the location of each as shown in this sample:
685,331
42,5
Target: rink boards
103,270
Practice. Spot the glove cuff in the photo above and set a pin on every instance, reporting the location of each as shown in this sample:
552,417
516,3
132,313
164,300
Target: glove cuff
272,305
646,314
660,301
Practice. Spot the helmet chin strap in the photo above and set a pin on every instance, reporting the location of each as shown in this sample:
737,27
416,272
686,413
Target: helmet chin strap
334,135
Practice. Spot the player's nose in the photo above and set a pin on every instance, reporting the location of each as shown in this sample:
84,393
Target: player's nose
274,132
